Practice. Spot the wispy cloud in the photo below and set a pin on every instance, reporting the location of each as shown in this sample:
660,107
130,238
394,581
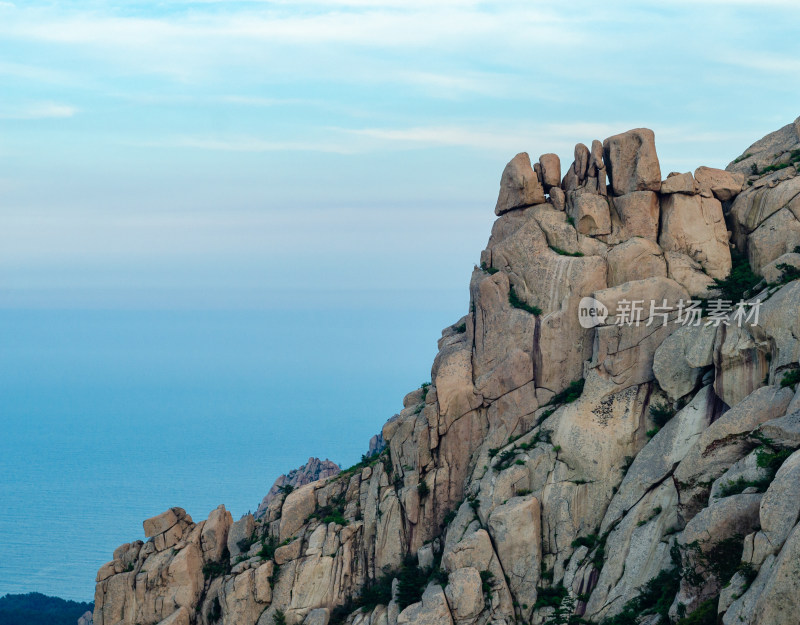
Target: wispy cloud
40,110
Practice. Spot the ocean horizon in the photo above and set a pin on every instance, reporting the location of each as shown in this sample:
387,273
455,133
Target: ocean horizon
111,416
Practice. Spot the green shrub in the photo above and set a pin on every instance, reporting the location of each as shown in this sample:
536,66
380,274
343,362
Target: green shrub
740,280
790,378
585,541
558,250
214,613
771,460
569,394
490,270
212,570
460,328
661,414
423,490
652,433
705,614
279,618
655,597
549,597
738,486
516,302
789,273
411,582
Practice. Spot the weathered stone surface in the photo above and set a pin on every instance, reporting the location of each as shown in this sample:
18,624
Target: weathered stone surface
632,162
160,523
741,363
689,274
179,617
432,610
516,531
778,235
558,198
624,351
780,506
464,593
313,470
763,151
550,165
240,530
723,443
773,273
679,183
296,509
746,469
519,185
214,535
639,214
694,225
722,519
680,361
723,185
636,259
756,204
784,431
659,457
589,212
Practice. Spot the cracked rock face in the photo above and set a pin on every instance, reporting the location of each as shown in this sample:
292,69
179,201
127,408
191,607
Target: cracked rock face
550,469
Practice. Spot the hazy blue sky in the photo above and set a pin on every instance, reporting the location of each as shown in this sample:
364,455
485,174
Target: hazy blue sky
160,152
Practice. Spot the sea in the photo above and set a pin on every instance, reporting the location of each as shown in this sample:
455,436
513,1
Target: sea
110,416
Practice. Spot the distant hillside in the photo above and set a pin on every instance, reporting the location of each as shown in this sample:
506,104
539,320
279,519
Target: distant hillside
37,609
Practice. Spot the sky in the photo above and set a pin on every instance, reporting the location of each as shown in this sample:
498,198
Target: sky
233,153
231,231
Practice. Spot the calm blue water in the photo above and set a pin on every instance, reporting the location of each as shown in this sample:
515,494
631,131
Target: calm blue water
109,417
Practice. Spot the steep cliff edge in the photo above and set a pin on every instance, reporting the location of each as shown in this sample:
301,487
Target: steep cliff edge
603,460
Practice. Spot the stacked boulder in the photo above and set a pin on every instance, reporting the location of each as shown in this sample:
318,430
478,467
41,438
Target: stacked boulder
552,469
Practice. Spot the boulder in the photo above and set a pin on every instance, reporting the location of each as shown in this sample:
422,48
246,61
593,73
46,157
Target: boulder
773,273
763,151
778,235
161,523
723,185
519,185
638,214
558,198
689,274
783,431
214,535
464,593
296,509
679,183
632,162
589,212
780,506
516,530
636,259
239,531
695,226
432,610
550,166
680,361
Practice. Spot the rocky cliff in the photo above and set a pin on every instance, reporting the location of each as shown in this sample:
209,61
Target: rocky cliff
629,458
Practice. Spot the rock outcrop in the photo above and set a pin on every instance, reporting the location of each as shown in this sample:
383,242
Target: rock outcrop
312,471
637,468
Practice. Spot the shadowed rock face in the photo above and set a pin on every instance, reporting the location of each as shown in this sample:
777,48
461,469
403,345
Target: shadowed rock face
553,467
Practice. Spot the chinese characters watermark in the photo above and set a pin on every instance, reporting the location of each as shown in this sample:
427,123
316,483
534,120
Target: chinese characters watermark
714,312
